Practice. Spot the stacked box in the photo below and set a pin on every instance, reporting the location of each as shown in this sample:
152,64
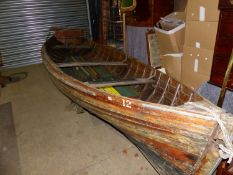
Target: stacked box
172,64
202,10
170,32
200,36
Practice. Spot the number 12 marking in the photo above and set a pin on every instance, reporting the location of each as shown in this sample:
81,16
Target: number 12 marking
126,103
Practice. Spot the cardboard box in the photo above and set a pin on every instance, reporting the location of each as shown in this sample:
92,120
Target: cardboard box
177,15
171,36
196,66
171,41
172,65
201,34
202,10
193,80
197,60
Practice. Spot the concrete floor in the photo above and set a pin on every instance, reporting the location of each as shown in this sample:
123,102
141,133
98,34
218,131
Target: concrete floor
54,140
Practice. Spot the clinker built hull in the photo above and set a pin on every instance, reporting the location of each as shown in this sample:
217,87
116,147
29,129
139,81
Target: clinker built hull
178,140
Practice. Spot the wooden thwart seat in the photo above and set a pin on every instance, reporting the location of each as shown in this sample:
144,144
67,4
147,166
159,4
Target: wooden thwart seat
147,105
78,64
122,83
71,47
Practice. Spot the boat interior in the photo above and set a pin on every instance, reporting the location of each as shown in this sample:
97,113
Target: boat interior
112,71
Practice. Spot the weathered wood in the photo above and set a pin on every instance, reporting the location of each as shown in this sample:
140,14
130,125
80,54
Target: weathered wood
190,97
144,89
155,88
225,168
77,64
179,135
164,91
72,47
175,95
69,36
121,83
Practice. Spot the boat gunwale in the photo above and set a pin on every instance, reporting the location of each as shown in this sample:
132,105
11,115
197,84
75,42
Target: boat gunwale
86,88
92,92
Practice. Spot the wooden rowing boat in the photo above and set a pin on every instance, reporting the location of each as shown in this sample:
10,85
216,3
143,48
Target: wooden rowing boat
177,130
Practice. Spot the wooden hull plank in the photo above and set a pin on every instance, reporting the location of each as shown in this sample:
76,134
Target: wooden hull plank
177,139
161,165
79,64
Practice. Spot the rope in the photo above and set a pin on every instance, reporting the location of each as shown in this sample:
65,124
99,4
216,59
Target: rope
225,152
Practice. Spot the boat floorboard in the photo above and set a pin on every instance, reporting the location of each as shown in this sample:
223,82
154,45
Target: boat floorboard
99,74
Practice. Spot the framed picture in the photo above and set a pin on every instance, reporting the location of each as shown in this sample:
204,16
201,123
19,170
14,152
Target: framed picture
152,48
